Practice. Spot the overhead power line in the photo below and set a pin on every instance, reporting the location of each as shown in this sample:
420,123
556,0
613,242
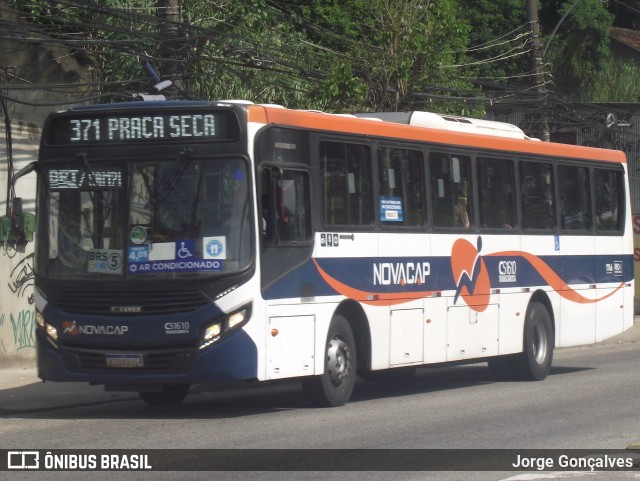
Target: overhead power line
137,32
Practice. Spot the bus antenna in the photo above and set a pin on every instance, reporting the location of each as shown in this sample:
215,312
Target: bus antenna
158,84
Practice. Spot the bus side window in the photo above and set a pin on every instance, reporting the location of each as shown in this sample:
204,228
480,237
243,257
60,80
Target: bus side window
575,210
496,187
609,192
347,188
285,206
451,193
401,187
537,195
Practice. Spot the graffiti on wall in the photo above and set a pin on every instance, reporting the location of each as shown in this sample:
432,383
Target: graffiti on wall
18,326
21,279
17,302
23,326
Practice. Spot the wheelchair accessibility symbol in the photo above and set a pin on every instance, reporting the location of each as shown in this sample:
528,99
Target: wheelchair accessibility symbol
185,250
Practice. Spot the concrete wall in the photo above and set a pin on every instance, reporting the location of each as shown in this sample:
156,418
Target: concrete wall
17,321
29,59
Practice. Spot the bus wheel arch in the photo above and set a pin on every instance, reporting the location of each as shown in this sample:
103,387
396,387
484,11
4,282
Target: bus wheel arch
335,385
341,357
542,297
354,314
538,342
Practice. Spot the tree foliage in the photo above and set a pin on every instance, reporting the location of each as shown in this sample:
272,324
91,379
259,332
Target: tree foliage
617,81
500,40
583,49
386,50
339,55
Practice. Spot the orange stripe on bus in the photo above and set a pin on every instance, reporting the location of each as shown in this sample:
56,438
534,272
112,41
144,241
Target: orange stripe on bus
351,125
389,299
553,280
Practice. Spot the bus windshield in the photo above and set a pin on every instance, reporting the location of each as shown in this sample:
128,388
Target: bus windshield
189,217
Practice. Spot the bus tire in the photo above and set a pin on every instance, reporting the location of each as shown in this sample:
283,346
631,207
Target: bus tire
534,363
335,385
171,395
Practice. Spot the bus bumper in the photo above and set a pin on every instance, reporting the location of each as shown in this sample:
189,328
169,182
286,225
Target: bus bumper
233,358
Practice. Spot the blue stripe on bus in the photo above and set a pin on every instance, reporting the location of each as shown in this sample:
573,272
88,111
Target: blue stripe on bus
402,275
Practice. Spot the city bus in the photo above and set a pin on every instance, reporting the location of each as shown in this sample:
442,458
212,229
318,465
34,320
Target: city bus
181,243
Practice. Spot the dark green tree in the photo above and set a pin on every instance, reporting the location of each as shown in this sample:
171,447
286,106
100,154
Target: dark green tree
385,52
580,49
499,42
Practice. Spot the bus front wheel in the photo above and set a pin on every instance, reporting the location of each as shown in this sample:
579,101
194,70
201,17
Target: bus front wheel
170,395
335,385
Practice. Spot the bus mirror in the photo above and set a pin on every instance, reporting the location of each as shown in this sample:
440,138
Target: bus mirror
29,225
17,222
22,172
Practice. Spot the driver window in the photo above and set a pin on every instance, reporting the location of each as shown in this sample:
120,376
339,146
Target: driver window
285,206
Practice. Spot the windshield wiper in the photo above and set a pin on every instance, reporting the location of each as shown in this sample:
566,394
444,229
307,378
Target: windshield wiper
169,181
101,207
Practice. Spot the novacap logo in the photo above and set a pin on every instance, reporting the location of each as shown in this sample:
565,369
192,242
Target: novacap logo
470,274
70,328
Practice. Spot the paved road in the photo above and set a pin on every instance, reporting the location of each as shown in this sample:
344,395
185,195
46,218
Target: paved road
591,400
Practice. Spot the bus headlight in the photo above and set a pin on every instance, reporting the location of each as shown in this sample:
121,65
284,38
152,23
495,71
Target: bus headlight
236,318
210,335
40,319
52,332
216,330
211,332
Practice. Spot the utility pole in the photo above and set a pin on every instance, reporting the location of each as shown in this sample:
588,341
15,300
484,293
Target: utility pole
171,42
538,68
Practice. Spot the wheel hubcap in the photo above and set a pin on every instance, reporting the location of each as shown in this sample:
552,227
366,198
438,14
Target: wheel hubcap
539,343
338,361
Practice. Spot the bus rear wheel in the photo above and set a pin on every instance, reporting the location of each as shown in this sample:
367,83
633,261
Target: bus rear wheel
534,363
171,395
335,385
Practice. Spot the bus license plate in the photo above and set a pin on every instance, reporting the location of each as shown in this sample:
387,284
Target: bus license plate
124,360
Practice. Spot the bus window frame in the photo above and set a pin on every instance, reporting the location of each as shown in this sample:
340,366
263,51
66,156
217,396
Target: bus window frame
590,231
621,198
551,162
516,227
370,144
271,221
426,224
450,151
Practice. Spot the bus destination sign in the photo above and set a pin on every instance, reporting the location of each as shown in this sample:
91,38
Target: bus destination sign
139,127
